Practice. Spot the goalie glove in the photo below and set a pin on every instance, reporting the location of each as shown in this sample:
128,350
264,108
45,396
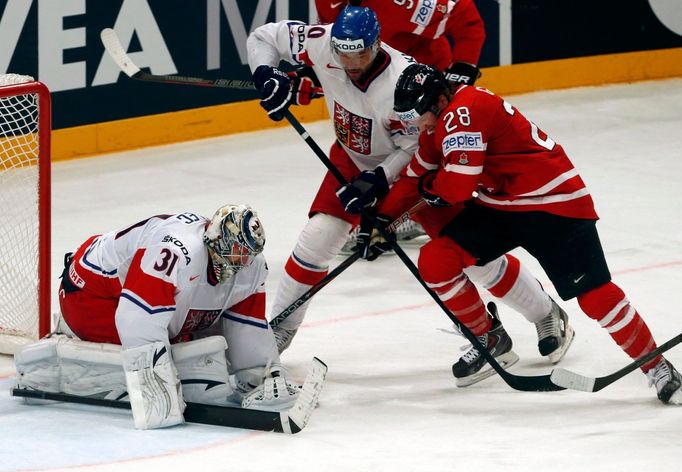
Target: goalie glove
462,73
371,243
364,191
275,393
424,189
274,88
305,86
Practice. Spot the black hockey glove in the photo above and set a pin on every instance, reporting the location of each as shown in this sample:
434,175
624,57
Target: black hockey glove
424,188
371,243
303,85
462,73
274,87
364,191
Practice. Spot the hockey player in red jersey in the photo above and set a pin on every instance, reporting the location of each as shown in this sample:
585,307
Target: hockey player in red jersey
358,74
446,34
527,194
167,284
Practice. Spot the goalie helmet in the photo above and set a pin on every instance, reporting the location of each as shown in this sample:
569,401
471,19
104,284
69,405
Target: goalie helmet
355,29
234,236
417,91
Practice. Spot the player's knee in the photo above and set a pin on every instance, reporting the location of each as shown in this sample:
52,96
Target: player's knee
599,301
321,239
442,259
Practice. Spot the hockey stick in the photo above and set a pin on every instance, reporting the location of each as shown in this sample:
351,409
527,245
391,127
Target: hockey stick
568,379
540,383
115,49
113,46
340,268
290,421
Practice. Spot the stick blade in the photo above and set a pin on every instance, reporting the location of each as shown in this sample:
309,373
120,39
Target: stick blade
113,46
567,379
299,415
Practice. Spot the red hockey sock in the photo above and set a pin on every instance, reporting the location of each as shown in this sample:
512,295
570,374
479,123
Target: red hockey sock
609,306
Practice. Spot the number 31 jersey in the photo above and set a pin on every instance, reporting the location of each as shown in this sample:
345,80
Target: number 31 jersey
166,283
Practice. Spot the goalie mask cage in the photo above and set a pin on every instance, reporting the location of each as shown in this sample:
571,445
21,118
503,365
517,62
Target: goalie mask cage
25,126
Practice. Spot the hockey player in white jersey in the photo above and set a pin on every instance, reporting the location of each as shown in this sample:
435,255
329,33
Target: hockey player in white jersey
358,74
175,280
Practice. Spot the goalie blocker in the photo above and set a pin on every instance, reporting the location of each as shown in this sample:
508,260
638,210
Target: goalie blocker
157,385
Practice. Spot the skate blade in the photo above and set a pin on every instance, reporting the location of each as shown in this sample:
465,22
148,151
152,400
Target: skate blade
676,398
558,354
506,360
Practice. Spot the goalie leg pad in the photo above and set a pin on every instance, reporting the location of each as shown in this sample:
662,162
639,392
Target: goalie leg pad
37,366
61,364
66,365
202,370
153,386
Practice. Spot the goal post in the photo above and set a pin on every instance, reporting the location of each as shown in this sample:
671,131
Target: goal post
25,251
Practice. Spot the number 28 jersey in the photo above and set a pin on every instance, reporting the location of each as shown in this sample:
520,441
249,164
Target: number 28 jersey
484,147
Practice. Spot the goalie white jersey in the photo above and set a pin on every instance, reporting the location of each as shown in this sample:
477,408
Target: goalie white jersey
362,113
167,289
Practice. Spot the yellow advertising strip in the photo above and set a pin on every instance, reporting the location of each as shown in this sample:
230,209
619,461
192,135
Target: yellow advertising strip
238,117
583,71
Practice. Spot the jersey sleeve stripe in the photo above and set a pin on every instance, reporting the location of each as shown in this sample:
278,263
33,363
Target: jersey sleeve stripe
252,306
423,163
465,170
245,320
551,185
443,22
133,298
409,172
548,199
94,267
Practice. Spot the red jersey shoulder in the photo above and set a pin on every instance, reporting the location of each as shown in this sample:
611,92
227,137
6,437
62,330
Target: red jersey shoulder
463,124
420,17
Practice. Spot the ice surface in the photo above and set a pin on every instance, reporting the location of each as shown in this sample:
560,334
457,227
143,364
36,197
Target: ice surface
390,402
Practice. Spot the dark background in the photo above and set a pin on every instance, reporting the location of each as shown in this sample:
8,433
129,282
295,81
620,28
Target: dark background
542,30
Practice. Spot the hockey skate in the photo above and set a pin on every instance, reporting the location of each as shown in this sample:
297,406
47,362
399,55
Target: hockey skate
554,334
408,231
283,337
472,366
667,381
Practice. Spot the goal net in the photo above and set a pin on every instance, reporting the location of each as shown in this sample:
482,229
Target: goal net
25,217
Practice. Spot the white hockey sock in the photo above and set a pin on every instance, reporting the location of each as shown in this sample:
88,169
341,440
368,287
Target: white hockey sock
525,295
319,242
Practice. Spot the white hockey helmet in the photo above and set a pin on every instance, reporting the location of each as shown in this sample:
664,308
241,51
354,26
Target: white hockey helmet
234,236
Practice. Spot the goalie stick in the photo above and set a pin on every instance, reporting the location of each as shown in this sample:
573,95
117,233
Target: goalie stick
113,46
290,421
340,268
568,379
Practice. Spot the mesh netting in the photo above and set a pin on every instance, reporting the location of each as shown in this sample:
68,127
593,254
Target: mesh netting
19,180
